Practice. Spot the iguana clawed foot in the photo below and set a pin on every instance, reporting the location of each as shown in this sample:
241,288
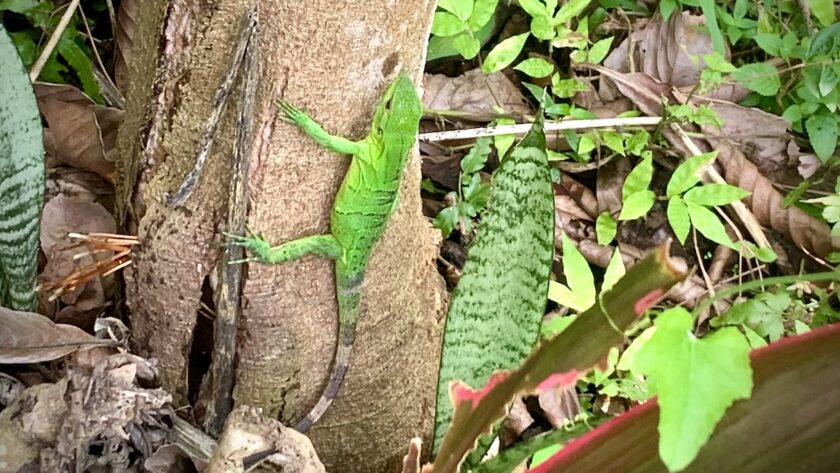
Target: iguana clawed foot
253,242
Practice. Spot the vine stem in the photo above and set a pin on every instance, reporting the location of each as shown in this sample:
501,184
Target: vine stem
758,283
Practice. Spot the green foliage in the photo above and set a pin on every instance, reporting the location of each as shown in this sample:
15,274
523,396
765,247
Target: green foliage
505,280
695,381
472,194
21,181
687,202
831,211
762,314
71,51
637,199
462,25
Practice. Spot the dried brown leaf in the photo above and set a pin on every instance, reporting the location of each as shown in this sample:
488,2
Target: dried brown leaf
670,52
609,185
27,337
82,134
127,17
473,92
574,200
559,404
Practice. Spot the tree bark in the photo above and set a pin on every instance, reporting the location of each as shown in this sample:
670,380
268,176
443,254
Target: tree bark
333,60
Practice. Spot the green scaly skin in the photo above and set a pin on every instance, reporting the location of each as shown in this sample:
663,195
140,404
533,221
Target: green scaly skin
363,206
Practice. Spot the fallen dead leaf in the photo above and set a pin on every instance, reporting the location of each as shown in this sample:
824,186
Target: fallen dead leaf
473,92
559,404
124,37
81,133
27,337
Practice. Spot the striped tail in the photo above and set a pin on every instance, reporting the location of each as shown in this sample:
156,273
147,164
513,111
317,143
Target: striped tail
349,296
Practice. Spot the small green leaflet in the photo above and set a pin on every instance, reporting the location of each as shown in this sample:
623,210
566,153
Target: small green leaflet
687,174
535,67
822,133
599,50
715,194
707,223
696,381
678,217
605,228
760,77
504,53
637,199
580,293
763,313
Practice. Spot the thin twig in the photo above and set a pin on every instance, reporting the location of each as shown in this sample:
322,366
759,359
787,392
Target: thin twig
110,91
47,52
523,128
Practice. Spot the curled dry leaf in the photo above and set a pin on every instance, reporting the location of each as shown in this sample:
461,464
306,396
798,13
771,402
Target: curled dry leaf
81,133
124,36
559,404
473,92
665,52
27,337
574,199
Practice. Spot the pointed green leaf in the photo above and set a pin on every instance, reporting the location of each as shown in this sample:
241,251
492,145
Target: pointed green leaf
503,142
678,218
570,10
760,77
460,8
715,194
696,381
466,45
533,7
605,228
639,178
614,141
504,53
708,224
823,10
637,205
822,133
578,276
615,271
688,173
446,24
599,50
482,13
535,67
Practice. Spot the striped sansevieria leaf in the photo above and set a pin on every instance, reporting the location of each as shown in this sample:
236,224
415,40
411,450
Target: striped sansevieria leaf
496,310
21,180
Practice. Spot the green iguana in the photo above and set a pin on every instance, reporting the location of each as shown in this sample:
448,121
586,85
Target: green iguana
363,206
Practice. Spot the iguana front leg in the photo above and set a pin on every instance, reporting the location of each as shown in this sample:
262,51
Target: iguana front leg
313,130
325,246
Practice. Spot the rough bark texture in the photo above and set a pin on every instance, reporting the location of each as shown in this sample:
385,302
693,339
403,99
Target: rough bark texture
332,59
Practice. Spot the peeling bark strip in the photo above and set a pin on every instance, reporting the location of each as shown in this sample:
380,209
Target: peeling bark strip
220,101
228,294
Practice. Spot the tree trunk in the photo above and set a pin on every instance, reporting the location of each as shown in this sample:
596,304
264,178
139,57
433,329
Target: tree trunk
333,60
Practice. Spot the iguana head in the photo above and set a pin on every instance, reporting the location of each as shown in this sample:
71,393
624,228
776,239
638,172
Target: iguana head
402,105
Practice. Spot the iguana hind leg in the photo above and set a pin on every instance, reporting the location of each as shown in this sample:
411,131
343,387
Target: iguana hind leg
325,246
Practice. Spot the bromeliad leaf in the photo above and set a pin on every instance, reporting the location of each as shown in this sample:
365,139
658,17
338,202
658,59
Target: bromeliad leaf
21,181
696,381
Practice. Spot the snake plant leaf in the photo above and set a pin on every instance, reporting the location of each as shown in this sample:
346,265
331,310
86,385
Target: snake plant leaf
496,310
21,180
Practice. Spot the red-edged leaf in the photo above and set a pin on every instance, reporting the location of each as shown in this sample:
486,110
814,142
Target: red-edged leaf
790,423
560,360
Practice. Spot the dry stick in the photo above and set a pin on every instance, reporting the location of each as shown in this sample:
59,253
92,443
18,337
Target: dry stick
47,52
228,295
523,128
747,217
218,106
